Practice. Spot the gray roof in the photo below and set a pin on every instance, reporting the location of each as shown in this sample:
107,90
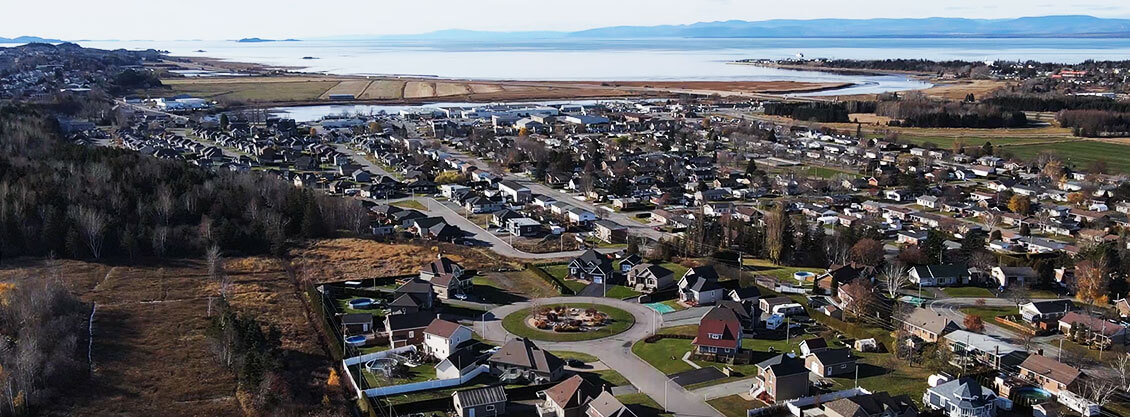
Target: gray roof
524,353
481,396
966,393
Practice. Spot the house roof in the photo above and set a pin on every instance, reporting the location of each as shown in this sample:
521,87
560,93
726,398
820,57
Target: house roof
572,392
404,300
834,356
1052,306
788,366
707,272
721,321
481,396
524,353
815,343
357,318
442,328
941,271
1093,323
746,293
606,405
441,266
1051,368
415,287
966,393
871,405
466,356
930,321
409,321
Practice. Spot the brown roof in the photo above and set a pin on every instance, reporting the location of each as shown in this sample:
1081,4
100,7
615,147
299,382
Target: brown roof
442,328
929,320
1051,368
572,392
1093,323
524,353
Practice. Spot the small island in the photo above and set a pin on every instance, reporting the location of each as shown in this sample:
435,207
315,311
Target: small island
260,40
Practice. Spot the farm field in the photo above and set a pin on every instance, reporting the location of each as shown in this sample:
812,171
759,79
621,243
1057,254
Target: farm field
1081,153
253,91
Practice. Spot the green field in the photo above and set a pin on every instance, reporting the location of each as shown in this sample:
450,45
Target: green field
967,292
987,314
781,273
621,320
1080,153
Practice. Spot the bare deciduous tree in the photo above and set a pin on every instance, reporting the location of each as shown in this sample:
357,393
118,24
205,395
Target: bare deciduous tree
894,276
92,223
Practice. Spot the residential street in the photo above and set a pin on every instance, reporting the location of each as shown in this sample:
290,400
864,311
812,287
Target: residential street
614,351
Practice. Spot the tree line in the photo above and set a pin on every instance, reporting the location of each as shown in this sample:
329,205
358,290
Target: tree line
1095,123
1056,103
81,202
925,113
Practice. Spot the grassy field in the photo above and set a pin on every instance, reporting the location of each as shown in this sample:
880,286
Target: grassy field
151,352
665,355
253,92
512,287
620,291
621,320
559,271
358,259
782,273
734,405
967,292
1080,153
409,204
987,314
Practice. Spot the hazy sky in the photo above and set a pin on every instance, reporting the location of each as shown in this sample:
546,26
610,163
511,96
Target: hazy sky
228,19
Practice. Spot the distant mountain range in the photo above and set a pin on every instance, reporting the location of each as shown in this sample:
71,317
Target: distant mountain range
28,39
258,40
1024,27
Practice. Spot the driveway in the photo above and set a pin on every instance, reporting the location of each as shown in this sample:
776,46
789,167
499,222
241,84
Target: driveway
615,351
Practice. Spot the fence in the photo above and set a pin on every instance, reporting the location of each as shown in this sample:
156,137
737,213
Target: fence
426,385
540,273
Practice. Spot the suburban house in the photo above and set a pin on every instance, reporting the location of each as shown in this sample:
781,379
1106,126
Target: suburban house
1048,310
785,380
1096,330
610,231
407,329
964,397
879,404
700,286
649,278
515,192
523,226
1050,374
719,334
831,362
813,345
630,261
480,402
591,266
521,359
412,297
460,362
1008,275
575,397
568,398
447,277
995,353
928,325
442,337
939,275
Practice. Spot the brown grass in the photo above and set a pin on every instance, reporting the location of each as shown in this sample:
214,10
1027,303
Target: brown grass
352,259
151,352
384,89
354,87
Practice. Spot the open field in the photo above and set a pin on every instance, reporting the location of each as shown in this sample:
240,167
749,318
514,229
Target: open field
1081,153
353,87
252,91
341,259
150,350
730,86
383,90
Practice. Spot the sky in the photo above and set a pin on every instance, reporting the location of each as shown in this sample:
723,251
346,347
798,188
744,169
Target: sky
233,19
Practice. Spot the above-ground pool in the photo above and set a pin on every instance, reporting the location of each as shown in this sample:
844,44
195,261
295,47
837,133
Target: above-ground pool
804,276
356,340
660,307
360,303
1032,395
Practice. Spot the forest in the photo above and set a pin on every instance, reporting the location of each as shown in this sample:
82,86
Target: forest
79,202
1095,123
819,112
925,113
1056,103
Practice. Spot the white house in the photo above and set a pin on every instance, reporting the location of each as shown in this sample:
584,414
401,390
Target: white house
441,337
939,275
514,191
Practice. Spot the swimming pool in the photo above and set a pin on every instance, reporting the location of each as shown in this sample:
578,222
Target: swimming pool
1032,395
661,308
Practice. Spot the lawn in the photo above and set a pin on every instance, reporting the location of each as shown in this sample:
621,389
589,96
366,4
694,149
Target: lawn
1042,295
642,404
559,271
424,372
1080,152
874,375
665,355
583,357
620,291
781,273
674,304
575,285
678,269
968,292
987,314
621,320
409,204
734,405
606,377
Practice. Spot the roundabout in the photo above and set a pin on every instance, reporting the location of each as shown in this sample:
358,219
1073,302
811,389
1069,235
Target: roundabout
568,322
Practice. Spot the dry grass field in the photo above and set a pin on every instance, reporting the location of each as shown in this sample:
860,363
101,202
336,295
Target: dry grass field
150,349
384,90
353,87
350,259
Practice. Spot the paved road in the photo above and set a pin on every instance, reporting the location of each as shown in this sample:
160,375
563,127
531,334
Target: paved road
360,158
950,308
614,351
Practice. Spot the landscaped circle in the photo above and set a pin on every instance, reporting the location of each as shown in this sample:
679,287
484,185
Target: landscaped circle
568,322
